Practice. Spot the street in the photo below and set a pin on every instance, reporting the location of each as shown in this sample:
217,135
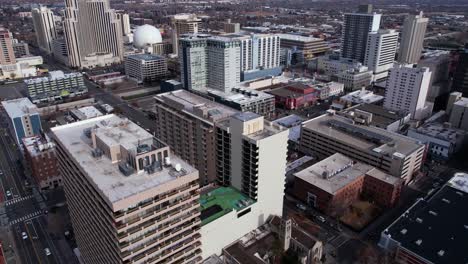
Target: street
24,216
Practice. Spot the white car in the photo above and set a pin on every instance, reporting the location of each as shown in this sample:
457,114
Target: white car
321,219
8,193
47,251
24,235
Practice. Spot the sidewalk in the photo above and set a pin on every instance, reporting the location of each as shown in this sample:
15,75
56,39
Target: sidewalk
9,247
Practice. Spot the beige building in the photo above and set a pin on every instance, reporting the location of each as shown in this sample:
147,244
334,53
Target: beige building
93,33
185,121
183,24
412,38
130,199
44,25
392,153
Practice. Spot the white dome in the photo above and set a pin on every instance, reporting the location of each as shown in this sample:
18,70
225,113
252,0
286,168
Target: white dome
145,35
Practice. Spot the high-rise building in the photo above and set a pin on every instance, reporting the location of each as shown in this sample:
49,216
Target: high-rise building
380,52
183,24
220,56
24,118
130,199
223,63
230,27
60,51
93,33
355,32
460,78
251,165
7,54
407,89
193,59
186,123
307,47
412,38
125,23
44,25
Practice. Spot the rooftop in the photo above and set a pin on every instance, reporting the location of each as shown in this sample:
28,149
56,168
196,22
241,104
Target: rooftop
54,75
19,107
196,105
298,38
241,95
293,122
333,173
373,139
36,144
381,117
362,96
441,131
221,201
436,229
101,172
462,102
146,57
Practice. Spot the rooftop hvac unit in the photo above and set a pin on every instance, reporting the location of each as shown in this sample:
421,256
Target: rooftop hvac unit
167,161
178,167
97,153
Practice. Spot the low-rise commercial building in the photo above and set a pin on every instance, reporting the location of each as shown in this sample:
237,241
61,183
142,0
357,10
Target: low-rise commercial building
294,96
392,153
442,141
40,155
24,118
362,96
57,86
145,67
336,182
185,121
21,49
246,100
354,78
130,199
429,231
23,67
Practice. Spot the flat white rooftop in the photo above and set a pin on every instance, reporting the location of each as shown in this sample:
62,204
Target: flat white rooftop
298,38
101,172
19,107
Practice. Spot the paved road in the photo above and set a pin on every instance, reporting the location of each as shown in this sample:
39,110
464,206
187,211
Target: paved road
24,209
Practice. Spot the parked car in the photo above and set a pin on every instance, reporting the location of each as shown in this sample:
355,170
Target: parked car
301,207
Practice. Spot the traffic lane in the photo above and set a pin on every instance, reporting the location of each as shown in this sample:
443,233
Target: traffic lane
10,161
36,242
25,248
7,177
47,241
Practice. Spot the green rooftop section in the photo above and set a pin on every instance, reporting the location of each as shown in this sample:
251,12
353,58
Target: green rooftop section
221,201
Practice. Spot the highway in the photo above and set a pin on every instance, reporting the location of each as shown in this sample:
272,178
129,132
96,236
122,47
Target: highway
22,205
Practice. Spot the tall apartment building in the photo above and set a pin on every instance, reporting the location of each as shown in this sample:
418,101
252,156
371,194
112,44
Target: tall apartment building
24,118
356,29
223,65
60,51
130,199
460,77
183,24
193,59
412,38
145,67
250,159
203,54
93,33
380,52
309,47
407,89
56,86
44,25
20,49
230,27
392,153
41,158
185,121
124,23
7,54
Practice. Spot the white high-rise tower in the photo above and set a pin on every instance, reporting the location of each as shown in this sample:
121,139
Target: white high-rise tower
412,38
380,52
44,25
93,33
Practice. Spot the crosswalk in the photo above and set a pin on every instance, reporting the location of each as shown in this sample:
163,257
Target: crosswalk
26,217
17,200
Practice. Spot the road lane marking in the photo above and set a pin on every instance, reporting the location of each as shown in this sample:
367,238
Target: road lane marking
32,243
26,217
17,200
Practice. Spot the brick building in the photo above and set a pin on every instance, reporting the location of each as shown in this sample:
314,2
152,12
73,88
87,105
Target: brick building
40,154
336,182
295,95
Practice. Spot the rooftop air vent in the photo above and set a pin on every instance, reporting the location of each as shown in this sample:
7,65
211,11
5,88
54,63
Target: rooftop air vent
97,153
404,231
441,253
418,242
